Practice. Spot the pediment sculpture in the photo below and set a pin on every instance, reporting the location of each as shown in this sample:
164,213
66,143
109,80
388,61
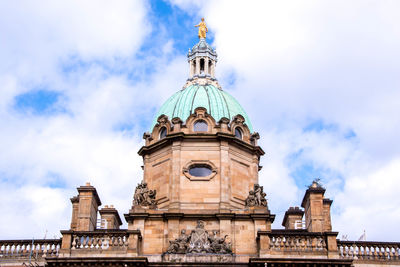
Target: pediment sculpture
256,197
199,241
144,196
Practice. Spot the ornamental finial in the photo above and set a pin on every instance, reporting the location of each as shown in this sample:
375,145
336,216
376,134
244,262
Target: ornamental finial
202,28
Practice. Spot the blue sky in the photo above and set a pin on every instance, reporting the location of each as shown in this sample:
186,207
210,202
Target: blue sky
80,83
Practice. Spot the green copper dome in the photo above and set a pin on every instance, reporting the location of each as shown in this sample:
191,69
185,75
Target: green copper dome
218,103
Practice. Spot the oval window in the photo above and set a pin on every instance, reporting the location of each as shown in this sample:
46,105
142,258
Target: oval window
163,132
200,170
238,133
200,126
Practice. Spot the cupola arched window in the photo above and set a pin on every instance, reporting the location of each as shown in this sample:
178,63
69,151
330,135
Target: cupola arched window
200,126
163,133
238,133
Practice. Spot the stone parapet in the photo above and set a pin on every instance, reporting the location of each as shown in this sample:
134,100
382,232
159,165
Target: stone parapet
34,249
112,243
278,243
370,252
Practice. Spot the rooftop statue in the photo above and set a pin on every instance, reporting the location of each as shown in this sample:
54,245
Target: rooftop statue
202,28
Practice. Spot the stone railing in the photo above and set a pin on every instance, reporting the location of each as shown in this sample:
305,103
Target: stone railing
100,240
369,251
294,243
301,241
34,249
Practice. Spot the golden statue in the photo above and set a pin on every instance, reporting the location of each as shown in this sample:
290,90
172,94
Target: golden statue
202,28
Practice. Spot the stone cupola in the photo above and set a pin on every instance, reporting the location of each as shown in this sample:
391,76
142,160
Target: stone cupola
202,59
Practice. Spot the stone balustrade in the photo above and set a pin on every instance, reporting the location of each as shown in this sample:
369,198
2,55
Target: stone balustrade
35,249
100,240
292,243
297,242
106,242
369,251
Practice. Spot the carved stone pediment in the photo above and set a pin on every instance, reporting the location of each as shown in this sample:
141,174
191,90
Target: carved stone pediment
200,242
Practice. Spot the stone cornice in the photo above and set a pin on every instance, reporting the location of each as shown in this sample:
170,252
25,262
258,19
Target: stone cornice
144,150
233,216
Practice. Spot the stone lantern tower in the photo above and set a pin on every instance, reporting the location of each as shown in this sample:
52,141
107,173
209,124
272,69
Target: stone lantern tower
201,163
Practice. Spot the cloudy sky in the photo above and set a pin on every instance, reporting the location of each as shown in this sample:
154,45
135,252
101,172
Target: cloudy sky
80,82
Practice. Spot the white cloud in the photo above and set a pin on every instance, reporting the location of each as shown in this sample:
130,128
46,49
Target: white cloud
37,37
97,138
335,62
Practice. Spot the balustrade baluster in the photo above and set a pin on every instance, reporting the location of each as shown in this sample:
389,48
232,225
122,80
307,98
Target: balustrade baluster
361,251
50,250
74,237
276,243
376,253
117,241
44,249
100,242
371,252
279,243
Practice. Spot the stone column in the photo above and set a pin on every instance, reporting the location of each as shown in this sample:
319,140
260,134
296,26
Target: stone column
206,71
213,69
197,71
191,64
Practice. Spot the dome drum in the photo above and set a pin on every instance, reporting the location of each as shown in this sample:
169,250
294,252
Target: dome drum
223,126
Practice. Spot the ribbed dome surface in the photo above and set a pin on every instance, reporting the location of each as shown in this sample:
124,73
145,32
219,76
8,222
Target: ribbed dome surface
217,102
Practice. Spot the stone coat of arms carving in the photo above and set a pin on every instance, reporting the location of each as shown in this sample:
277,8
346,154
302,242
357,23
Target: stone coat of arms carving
199,241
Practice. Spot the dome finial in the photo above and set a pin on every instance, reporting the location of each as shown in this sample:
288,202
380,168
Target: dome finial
202,29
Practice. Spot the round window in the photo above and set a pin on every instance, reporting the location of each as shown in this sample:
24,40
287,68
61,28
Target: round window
163,132
200,170
238,133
